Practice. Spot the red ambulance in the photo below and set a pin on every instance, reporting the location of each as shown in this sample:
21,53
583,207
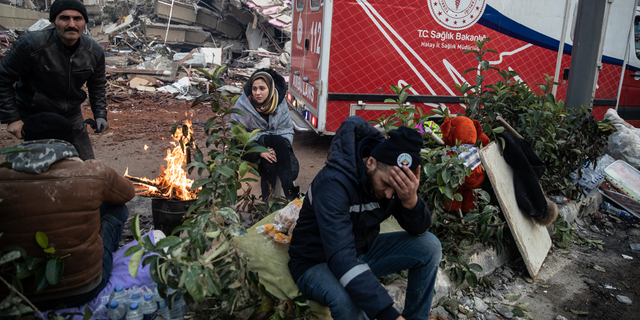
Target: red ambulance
346,53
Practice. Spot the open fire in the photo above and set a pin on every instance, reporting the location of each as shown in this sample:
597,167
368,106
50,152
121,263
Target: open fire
172,182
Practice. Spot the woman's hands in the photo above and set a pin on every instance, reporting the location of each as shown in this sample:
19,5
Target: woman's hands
269,156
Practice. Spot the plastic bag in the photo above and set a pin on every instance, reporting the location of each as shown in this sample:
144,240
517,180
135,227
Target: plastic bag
625,143
283,223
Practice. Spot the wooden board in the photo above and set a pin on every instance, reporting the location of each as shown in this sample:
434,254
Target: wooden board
533,240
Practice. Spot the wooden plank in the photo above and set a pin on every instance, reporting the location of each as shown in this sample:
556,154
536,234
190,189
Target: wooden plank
137,71
533,240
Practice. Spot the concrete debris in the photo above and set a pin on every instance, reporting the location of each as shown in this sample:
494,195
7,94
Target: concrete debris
397,291
138,81
145,88
19,19
214,56
479,305
227,90
264,63
624,299
504,310
114,28
154,45
40,24
117,61
197,60
440,311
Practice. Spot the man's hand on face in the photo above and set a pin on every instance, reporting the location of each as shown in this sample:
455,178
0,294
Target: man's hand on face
406,184
15,128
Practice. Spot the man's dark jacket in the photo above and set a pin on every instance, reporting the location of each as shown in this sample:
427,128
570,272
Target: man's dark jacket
340,218
49,78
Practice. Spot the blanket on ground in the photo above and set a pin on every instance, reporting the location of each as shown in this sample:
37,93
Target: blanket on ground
119,275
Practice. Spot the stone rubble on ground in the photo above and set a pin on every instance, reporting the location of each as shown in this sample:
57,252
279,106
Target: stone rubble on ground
624,299
479,303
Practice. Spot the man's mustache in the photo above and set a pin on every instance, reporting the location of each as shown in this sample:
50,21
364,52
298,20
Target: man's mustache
71,29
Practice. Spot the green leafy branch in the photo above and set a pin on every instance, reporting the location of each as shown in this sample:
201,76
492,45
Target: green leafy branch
17,265
200,258
563,139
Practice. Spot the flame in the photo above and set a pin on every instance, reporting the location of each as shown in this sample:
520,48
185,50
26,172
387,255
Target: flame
146,147
172,182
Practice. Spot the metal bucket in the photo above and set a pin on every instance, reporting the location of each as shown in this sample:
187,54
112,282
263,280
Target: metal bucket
167,214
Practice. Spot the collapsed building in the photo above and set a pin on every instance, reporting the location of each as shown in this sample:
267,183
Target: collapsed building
165,40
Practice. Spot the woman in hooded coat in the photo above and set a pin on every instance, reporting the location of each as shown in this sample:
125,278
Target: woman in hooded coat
264,107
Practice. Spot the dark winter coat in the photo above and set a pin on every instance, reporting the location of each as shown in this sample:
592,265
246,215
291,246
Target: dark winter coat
48,78
340,206
51,190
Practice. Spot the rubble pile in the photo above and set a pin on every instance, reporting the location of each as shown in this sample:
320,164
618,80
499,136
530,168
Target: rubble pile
147,44
156,45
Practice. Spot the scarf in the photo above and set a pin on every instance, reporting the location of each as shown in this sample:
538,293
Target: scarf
269,105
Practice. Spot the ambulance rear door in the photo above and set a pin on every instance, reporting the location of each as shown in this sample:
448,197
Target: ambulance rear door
305,58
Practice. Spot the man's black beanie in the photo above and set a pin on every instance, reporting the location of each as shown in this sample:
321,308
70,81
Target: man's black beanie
402,148
47,125
61,5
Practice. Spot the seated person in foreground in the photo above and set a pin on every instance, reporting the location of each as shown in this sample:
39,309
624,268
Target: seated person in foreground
265,109
79,205
337,253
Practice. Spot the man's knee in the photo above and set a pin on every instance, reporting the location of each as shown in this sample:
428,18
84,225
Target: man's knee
430,245
119,211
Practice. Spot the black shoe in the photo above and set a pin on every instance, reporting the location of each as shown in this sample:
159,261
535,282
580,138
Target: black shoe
292,193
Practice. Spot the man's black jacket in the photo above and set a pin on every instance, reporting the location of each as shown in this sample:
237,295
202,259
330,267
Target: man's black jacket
340,218
48,78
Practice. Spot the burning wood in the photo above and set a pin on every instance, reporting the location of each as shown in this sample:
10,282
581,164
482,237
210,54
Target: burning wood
172,182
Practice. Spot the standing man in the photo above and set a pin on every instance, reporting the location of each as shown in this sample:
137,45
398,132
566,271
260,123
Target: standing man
337,253
49,68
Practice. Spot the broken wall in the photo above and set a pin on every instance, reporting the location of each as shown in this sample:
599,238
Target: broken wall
17,18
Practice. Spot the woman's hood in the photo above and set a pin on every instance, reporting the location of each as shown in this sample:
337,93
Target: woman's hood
278,81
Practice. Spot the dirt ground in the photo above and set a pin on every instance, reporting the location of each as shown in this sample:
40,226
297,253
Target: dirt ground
140,120
568,280
587,280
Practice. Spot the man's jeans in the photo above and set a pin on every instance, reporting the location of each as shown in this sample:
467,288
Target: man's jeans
112,218
390,253
80,138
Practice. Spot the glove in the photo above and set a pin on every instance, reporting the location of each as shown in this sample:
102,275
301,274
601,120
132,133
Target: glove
91,123
101,125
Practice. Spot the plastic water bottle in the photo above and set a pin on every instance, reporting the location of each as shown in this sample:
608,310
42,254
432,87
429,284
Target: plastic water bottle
613,210
559,199
101,312
118,294
134,312
179,308
573,176
148,306
156,293
163,311
135,298
116,310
